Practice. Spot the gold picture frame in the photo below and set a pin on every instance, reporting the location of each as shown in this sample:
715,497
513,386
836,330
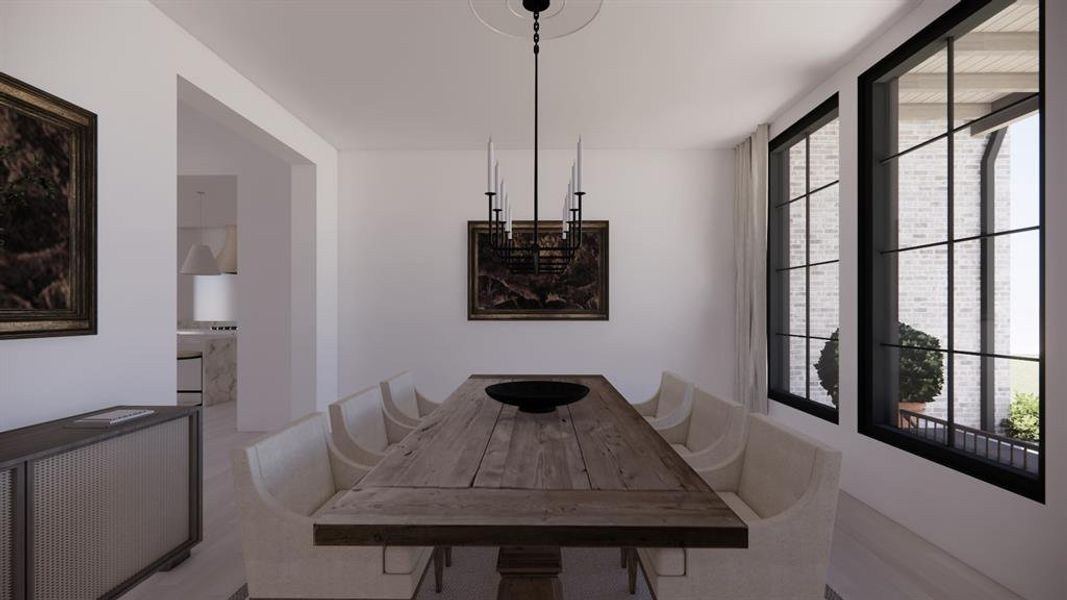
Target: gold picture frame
581,293
47,214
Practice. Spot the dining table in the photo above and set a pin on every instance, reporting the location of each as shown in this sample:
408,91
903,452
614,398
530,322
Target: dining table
476,472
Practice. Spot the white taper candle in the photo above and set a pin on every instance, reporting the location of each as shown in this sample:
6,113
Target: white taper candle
490,184
578,177
574,178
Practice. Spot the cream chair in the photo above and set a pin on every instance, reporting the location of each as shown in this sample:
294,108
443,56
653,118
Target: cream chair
403,402
361,428
711,432
671,404
282,482
783,485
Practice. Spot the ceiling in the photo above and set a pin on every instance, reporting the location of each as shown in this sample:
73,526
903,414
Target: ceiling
427,74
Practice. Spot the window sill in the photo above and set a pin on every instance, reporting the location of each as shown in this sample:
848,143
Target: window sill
827,413
1028,486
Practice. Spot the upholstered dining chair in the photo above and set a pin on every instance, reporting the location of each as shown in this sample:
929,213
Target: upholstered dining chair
403,401
671,403
784,486
712,431
362,429
282,482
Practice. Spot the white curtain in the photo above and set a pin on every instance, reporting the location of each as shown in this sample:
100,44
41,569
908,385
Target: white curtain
750,270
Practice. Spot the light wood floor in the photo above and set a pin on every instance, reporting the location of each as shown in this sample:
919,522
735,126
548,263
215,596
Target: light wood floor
214,571
873,558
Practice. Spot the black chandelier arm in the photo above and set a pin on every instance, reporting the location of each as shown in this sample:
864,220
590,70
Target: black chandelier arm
489,216
522,251
580,196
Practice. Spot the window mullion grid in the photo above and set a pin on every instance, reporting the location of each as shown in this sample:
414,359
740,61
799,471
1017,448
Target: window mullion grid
805,337
878,417
978,353
817,264
958,128
821,188
807,269
950,106
970,238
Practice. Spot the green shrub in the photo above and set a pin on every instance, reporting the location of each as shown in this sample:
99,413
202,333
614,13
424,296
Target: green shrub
827,366
922,374
1024,417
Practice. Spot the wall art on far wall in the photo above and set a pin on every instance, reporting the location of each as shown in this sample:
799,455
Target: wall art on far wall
47,214
579,293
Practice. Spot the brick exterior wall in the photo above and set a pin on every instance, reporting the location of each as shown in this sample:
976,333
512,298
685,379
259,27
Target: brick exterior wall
923,274
824,243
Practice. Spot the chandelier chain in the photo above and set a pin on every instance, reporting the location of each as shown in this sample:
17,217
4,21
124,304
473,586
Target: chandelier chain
537,53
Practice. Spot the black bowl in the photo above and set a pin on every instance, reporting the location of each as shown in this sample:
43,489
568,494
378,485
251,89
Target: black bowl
537,396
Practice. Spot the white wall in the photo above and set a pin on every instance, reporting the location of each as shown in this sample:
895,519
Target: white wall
264,249
1017,542
403,259
123,60
302,293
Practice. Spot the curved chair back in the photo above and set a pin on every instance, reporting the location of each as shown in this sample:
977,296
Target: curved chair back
673,393
711,419
360,416
778,466
293,464
399,392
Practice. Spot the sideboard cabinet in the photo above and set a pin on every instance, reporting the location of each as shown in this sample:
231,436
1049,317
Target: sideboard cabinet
89,513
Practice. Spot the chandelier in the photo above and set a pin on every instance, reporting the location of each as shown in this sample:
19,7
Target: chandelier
543,253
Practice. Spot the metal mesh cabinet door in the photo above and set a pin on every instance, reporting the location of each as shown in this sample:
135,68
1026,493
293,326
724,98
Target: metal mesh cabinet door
103,512
7,534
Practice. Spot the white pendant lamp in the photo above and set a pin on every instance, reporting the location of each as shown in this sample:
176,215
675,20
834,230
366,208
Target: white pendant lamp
215,298
200,260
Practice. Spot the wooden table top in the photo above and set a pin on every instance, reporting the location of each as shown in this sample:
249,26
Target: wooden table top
477,472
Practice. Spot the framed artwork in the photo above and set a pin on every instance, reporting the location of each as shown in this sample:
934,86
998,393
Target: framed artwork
47,214
579,293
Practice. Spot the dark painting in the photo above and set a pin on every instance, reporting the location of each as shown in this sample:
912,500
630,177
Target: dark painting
580,292
47,206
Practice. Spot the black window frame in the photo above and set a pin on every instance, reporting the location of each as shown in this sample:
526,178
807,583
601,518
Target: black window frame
778,193
956,21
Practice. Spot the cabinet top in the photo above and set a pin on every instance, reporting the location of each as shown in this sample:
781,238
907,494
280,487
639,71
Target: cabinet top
53,437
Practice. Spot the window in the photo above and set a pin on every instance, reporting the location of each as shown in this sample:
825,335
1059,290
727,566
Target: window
951,260
803,264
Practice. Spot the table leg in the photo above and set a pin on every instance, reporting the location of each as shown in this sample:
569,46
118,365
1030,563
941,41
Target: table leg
631,569
529,573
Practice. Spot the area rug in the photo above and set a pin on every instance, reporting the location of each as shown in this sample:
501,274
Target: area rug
588,574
